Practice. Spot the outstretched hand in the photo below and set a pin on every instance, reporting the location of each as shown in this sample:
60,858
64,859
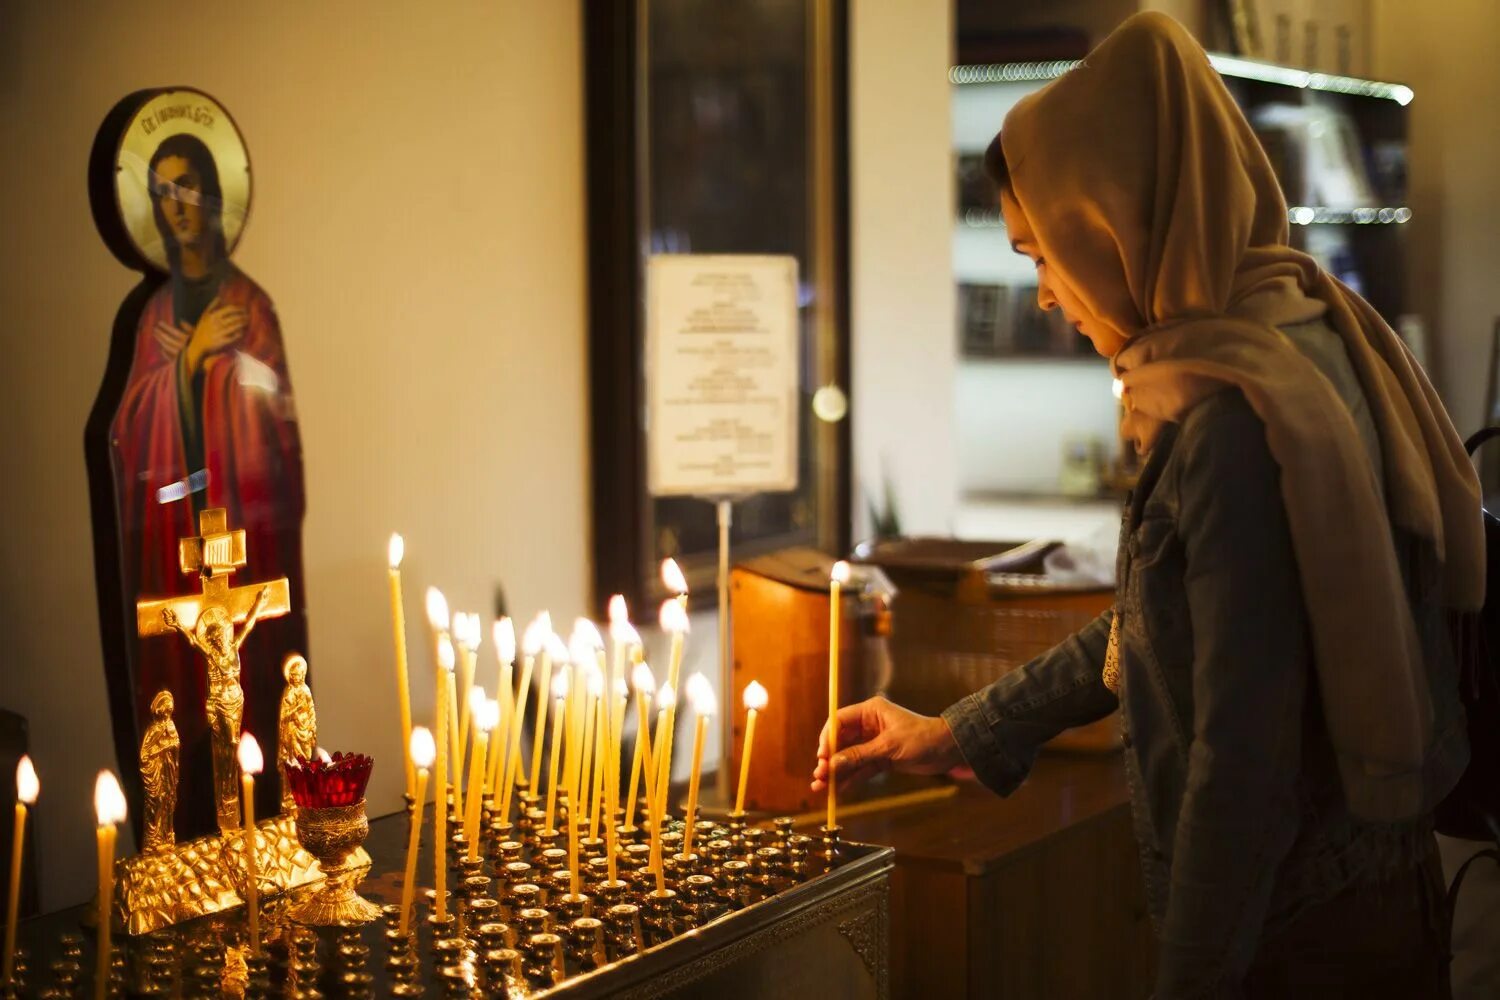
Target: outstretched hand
876,735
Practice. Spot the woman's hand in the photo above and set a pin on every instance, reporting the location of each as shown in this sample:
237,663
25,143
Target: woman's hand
876,736
219,328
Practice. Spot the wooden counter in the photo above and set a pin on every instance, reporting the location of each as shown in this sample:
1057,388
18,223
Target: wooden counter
1034,896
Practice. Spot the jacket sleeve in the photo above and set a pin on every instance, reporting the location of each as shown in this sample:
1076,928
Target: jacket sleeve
1000,727
1250,665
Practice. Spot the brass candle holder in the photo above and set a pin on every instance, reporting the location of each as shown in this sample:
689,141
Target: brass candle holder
332,835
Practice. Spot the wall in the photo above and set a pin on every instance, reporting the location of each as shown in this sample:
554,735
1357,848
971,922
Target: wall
902,280
418,221
1444,52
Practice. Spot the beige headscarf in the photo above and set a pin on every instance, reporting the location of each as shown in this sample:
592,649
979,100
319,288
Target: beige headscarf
1150,197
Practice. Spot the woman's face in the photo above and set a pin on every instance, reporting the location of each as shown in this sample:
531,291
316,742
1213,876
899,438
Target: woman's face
1052,291
179,189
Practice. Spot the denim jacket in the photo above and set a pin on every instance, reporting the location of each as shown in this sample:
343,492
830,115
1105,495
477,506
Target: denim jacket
1235,793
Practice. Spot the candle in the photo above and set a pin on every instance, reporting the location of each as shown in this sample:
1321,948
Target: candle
644,683
251,763
583,647
437,622
422,751
395,551
674,581
439,800
701,695
593,746
674,621
612,776
543,688
27,789
479,711
109,809
755,701
836,580
466,636
559,707
531,645
666,701
504,634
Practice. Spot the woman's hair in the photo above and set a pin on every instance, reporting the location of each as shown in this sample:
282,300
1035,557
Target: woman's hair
192,149
994,165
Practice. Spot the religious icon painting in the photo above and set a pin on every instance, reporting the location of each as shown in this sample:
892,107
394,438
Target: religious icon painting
196,412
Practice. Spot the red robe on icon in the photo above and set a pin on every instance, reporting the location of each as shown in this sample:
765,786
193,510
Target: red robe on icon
238,415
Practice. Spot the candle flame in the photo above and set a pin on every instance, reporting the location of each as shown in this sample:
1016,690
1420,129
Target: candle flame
666,697
504,632
1118,388
323,755
423,749
437,609
557,649
466,631
487,716
580,649
840,572
618,611
642,679
701,694
535,635
585,631
673,618
560,685
445,652
395,550
756,696
622,690
596,684
109,800
476,698
27,785
671,575
252,761
625,634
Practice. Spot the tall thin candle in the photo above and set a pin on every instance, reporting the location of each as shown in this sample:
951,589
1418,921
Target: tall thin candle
755,701
674,621
531,645
504,634
421,753
559,708
394,553
666,700
109,809
701,694
836,580
549,644
644,683
251,763
620,701
486,716
466,633
593,753
439,806
27,789
437,622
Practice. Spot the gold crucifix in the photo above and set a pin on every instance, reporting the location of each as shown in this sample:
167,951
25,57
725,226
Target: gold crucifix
207,621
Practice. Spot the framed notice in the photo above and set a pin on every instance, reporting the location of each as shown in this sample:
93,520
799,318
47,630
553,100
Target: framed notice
721,374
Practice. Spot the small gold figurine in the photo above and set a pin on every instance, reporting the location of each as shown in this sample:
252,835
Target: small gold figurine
214,637
297,729
235,979
159,764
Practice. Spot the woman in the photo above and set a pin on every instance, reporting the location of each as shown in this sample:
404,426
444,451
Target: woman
206,420
1304,523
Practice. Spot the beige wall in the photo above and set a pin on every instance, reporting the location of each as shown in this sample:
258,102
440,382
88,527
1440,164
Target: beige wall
419,223
901,210
1445,52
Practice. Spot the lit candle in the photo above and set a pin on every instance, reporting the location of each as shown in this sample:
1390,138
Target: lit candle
548,645
583,647
27,789
109,809
755,701
701,694
612,779
674,621
836,580
422,752
559,708
251,763
504,633
478,706
466,634
626,641
437,621
439,802
644,683
531,645
593,752
674,581
395,551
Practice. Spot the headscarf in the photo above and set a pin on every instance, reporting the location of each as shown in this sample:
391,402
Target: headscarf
1150,196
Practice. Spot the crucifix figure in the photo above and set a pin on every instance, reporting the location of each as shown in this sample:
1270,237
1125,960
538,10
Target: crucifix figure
207,621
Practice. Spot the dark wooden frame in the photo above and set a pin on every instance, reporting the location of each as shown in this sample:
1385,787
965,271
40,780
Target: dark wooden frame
620,502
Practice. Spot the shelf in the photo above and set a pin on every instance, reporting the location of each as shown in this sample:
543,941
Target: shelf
1234,66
